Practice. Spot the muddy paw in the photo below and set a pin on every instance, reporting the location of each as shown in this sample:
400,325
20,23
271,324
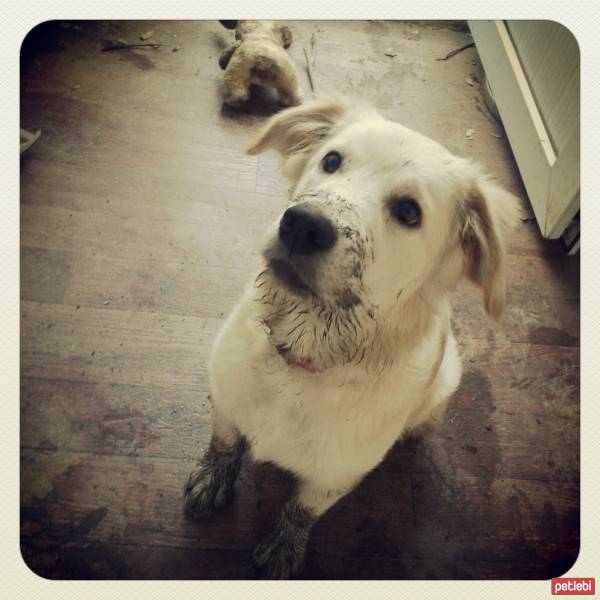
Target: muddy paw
278,557
204,493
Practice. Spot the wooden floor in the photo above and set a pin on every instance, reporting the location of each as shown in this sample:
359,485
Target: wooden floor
140,222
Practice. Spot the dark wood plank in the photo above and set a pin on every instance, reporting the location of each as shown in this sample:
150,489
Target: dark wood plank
494,427
112,418
44,274
92,344
436,518
98,560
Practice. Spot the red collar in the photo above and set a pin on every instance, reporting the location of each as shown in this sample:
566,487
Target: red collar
306,363
303,363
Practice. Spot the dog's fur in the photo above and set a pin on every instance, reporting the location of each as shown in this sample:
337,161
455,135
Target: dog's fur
329,358
258,58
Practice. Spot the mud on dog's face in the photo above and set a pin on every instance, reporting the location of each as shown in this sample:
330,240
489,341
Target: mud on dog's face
380,213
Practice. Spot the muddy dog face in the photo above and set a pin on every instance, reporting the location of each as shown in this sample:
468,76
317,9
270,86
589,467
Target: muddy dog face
382,218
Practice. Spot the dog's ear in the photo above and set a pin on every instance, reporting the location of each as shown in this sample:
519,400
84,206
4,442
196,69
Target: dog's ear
299,129
229,24
489,215
227,54
286,35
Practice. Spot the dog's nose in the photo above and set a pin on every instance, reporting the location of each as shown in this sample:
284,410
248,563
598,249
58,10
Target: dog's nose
305,231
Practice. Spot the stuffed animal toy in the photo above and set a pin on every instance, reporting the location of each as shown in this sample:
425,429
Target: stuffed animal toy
258,58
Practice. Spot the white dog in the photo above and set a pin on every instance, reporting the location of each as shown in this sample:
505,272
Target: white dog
342,343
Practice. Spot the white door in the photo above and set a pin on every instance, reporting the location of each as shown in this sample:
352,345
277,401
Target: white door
533,71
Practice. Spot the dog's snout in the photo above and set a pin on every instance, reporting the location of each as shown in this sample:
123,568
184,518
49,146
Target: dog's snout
305,231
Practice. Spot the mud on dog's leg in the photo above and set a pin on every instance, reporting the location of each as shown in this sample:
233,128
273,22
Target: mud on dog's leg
210,486
281,554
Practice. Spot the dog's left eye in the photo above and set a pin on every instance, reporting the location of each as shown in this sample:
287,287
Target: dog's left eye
331,162
406,211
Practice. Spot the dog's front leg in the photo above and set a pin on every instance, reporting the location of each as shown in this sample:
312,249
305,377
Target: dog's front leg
210,486
281,554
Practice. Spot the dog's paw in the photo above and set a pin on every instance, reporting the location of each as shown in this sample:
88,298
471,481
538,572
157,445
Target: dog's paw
277,557
204,493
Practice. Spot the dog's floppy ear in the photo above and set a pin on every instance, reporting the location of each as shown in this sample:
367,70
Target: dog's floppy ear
489,215
298,129
227,54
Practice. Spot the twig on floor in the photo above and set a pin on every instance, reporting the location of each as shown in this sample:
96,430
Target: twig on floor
125,46
309,69
457,51
313,41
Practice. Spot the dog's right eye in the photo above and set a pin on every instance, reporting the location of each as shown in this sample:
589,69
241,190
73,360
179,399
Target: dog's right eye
331,162
406,211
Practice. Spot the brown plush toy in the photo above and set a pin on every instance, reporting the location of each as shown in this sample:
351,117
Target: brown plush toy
258,58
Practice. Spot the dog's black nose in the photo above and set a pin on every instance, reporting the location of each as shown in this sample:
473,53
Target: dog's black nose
305,231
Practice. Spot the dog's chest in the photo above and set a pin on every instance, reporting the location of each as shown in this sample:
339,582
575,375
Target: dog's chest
332,426
317,429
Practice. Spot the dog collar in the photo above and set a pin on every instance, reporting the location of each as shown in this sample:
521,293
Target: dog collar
303,363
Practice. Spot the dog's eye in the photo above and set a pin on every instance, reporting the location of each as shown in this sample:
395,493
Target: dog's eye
331,162
406,211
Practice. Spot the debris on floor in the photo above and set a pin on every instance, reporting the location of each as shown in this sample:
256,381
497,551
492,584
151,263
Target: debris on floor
111,47
469,134
310,61
147,35
457,51
472,448
27,139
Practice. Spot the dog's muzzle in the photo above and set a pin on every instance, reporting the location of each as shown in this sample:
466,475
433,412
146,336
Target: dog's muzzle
303,230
